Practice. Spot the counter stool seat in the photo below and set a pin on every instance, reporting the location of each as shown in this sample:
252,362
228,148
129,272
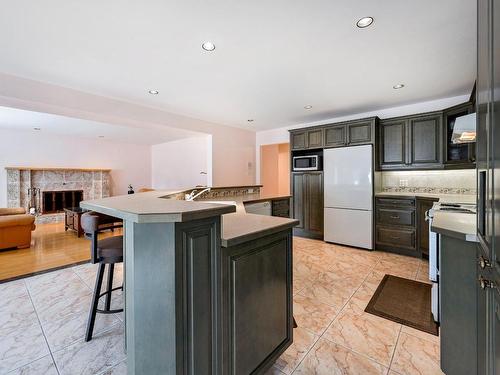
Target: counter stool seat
105,252
110,250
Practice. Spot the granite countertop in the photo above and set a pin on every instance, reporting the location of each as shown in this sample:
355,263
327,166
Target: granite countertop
152,207
455,224
238,228
443,198
161,206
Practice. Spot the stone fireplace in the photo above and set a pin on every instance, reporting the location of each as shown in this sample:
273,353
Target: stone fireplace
59,188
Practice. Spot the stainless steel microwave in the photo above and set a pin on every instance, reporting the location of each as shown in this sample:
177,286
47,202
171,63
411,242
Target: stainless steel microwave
306,163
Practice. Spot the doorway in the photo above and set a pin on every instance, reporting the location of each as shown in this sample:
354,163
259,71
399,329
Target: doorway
275,168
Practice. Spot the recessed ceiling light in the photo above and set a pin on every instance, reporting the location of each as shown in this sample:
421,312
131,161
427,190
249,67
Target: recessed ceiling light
153,92
208,46
100,136
308,106
364,22
398,86
37,128
250,120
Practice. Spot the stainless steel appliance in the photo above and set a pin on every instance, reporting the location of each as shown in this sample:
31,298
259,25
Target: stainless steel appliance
348,196
306,163
434,248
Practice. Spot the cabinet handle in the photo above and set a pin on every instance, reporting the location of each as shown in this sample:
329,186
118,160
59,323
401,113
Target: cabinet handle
485,283
394,217
483,263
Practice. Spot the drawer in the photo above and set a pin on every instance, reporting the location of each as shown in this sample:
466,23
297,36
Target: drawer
394,216
401,238
402,202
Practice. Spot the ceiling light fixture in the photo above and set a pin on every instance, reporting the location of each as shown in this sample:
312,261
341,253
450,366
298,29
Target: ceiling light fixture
208,46
398,86
250,120
37,128
154,92
100,136
308,106
364,22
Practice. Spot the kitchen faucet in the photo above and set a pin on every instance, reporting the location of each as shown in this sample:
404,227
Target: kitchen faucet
193,195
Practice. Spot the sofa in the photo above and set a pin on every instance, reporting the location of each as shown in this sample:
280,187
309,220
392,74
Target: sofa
15,228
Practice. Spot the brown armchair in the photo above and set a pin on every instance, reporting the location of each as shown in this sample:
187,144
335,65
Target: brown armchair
15,228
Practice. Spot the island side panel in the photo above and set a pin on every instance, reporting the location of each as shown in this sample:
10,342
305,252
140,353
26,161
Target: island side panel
150,298
257,303
198,257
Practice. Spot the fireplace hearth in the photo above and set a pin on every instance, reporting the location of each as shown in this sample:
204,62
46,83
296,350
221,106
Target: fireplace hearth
56,201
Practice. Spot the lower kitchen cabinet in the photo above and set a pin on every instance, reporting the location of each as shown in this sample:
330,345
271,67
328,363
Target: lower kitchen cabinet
307,191
423,205
401,226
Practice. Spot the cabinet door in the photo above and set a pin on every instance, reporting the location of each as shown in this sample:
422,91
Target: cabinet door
314,202
298,140
335,136
298,193
425,135
457,155
360,133
315,138
392,147
423,205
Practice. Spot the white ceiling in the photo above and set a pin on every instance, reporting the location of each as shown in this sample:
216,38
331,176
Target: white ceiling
272,57
16,119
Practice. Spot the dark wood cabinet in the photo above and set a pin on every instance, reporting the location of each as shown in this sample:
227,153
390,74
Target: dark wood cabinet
411,142
457,155
395,225
298,140
361,131
350,133
281,207
423,205
307,190
306,139
335,136
392,143
315,138
425,140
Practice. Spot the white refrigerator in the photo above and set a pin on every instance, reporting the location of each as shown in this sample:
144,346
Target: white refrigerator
348,187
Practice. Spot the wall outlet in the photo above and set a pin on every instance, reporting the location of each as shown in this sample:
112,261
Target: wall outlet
403,183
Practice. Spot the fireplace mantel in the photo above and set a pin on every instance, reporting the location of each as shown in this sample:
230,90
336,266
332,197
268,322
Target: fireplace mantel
95,183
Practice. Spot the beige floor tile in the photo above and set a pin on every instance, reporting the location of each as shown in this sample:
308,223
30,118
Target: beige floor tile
398,268
303,340
274,371
365,333
362,296
420,334
327,358
333,288
373,280
415,356
313,315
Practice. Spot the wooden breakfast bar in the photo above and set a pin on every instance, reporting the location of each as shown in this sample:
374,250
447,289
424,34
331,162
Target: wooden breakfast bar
207,291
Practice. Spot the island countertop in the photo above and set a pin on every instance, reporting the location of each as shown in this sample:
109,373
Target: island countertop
153,207
455,224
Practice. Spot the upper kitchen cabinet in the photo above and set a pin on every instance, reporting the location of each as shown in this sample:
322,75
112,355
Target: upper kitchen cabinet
425,140
351,133
411,142
306,139
457,155
392,143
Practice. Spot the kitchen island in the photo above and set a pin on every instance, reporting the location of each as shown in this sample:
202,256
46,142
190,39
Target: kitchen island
207,290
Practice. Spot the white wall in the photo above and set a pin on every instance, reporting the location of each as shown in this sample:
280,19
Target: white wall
129,163
233,149
281,135
178,164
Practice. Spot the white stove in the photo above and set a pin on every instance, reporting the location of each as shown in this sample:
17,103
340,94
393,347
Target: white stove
434,244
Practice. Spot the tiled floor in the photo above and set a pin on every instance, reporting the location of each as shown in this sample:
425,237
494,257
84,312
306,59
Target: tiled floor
42,320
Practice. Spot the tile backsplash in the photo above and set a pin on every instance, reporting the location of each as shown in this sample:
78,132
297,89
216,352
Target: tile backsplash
461,181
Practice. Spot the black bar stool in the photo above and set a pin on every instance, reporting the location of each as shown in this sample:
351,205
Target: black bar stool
107,251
